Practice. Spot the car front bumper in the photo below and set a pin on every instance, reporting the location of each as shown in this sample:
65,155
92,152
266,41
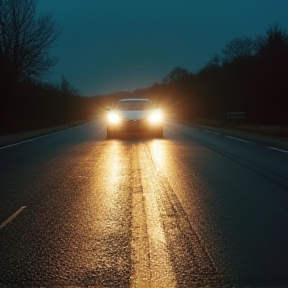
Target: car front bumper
134,125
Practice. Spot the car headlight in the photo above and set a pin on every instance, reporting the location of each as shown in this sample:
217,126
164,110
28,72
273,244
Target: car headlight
156,116
113,118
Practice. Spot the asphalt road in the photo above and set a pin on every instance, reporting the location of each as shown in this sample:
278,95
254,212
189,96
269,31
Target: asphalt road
197,208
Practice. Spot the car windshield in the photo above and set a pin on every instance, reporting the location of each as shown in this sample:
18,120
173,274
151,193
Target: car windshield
134,105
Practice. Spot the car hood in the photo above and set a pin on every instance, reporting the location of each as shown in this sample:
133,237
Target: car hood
135,115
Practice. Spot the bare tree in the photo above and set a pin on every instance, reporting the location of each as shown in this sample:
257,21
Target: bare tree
25,40
239,48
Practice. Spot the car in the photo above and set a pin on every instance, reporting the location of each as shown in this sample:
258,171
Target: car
135,115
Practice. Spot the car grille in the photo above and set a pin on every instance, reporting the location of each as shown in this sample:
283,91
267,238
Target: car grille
134,124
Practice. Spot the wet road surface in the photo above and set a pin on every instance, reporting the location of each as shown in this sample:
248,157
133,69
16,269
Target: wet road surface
194,209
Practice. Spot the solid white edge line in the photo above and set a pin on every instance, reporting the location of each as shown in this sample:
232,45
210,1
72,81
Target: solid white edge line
237,139
12,217
32,139
277,149
22,142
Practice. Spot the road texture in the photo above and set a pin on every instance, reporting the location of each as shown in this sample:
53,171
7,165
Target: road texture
197,208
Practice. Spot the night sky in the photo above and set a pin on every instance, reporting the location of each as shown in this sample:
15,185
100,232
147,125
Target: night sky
121,45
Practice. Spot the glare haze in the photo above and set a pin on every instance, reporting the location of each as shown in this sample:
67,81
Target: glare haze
110,46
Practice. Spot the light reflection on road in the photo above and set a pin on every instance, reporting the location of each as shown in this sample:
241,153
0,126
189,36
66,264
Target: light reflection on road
158,150
114,178
147,171
162,274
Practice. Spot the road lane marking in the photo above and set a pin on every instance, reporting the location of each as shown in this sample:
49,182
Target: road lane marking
162,273
26,141
36,138
277,149
237,139
208,131
141,274
140,256
150,256
13,216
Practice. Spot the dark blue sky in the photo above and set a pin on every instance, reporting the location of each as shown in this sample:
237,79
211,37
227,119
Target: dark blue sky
121,45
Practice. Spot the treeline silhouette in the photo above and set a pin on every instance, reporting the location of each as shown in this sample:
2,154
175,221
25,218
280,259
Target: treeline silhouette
249,75
30,105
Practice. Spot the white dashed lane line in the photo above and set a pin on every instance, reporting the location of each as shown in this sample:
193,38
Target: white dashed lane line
237,139
274,148
277,149
13,216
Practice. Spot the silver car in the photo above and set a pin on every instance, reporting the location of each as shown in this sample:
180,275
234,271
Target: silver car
134,115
